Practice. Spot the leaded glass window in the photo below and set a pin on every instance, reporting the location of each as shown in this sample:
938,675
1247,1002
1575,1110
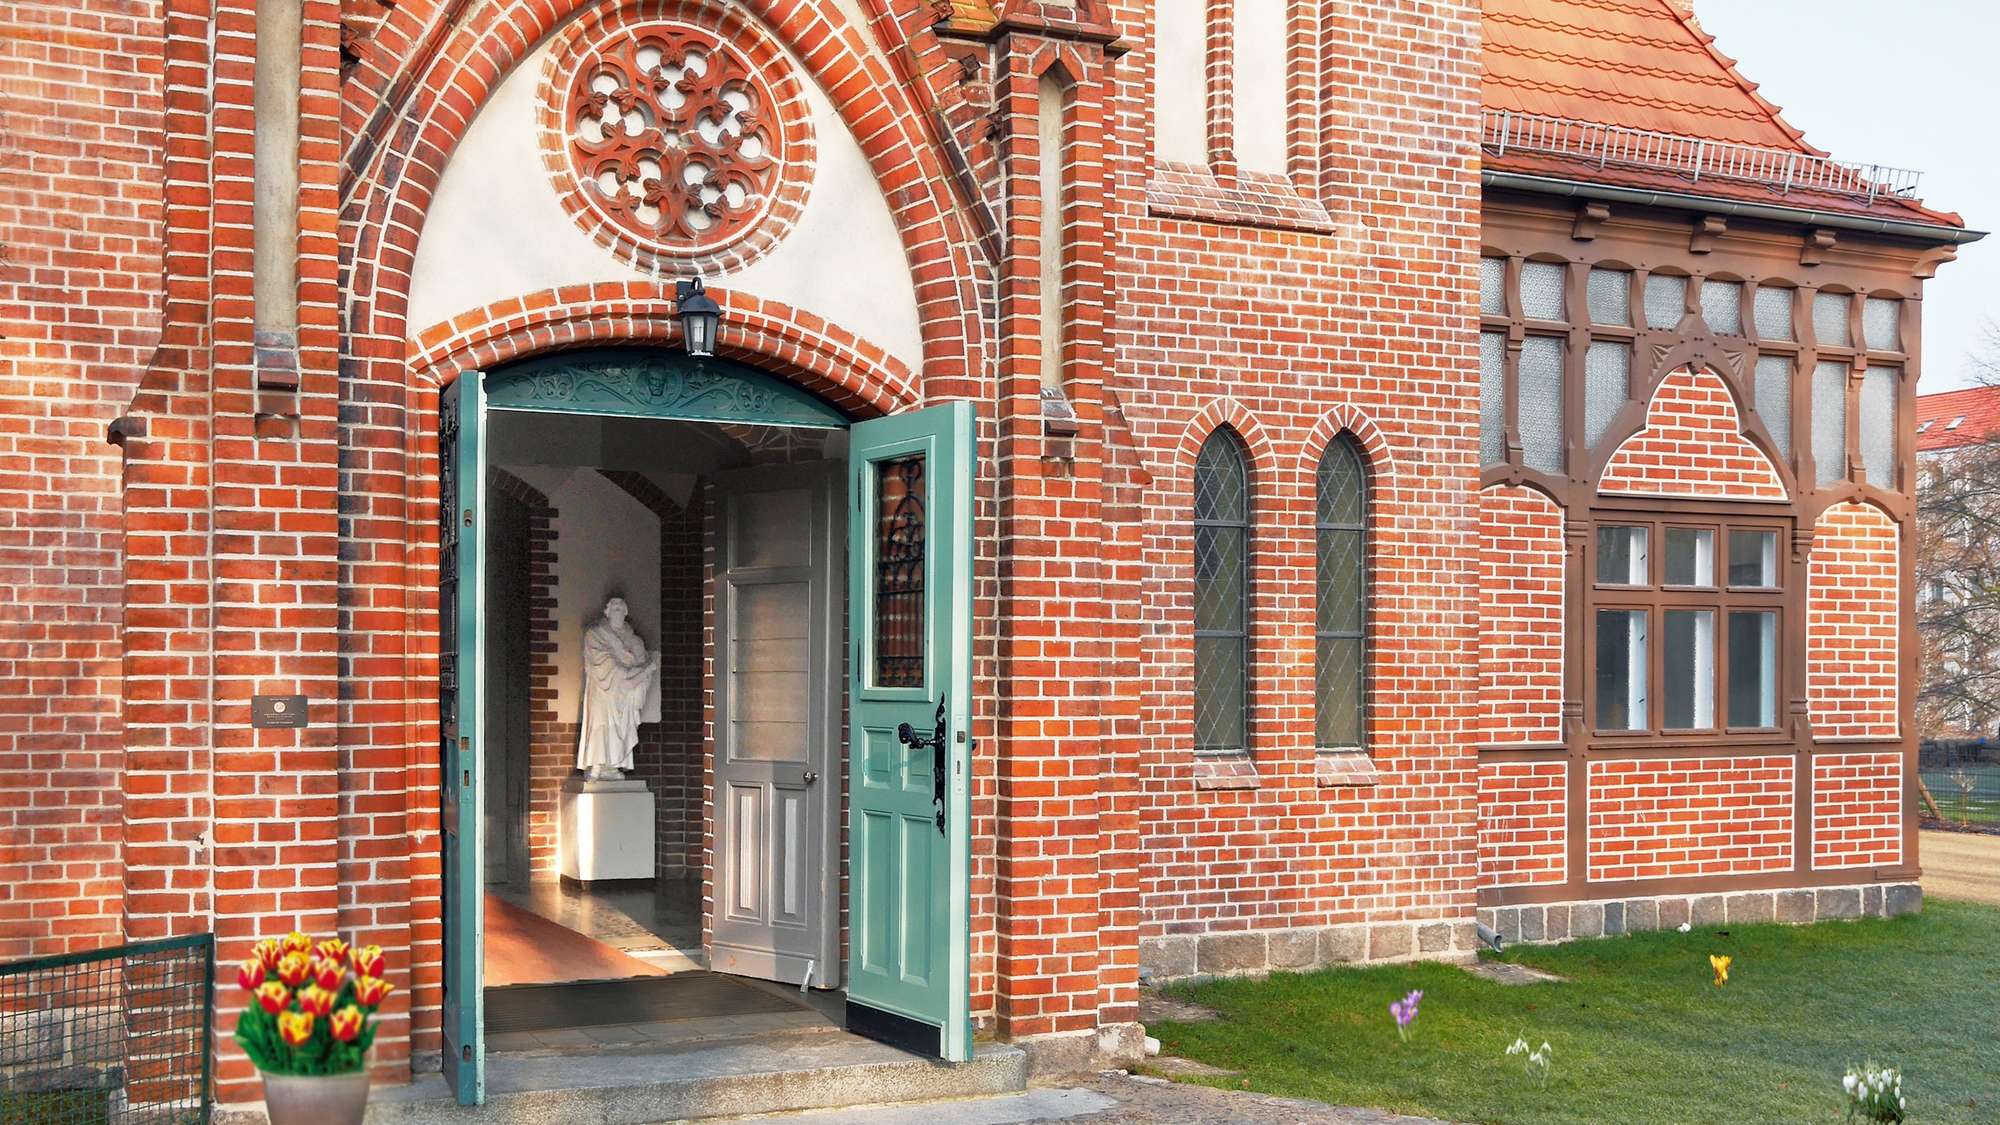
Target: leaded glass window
1341,596
1542,290
1722,306
1774,399
1774,313
1221,593
1666,300
1878,426
1829,421
1541,408
1830,319
1492,398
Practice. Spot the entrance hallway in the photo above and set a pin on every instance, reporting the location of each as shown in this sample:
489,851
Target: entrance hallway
551,930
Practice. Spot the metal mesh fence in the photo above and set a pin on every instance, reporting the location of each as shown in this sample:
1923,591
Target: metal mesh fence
113,1035
1962,780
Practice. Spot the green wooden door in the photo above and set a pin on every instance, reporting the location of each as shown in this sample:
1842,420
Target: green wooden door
909,747
461,542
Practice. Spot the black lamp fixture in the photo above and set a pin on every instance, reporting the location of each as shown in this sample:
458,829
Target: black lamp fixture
700,316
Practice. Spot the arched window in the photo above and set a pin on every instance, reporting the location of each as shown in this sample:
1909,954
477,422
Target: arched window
1221,594
1341,596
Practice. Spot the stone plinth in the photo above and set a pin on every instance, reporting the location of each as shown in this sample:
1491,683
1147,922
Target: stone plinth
606,830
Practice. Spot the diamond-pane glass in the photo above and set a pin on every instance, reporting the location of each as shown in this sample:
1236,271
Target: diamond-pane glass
1218,578
1606,374
1666,300
1878,426
1493,286
1492,398
1221,591
1722,306
1341,482
1338,684
1774,399
1830,319
1774,313
1218,693
1829,421
1221,484
1541,403
1610,297
1881,323
1542,290
1342,585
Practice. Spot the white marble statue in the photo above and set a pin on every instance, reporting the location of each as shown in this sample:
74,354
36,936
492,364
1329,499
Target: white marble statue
618,673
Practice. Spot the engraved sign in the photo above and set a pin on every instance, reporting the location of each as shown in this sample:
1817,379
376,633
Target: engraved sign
277,711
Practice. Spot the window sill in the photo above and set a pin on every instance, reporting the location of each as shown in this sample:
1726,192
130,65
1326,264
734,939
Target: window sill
1252,199
1346,768
1229,770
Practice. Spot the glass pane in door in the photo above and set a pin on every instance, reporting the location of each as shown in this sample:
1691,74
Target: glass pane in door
899,572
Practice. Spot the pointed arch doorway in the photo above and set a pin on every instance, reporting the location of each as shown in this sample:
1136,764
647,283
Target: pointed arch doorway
893,510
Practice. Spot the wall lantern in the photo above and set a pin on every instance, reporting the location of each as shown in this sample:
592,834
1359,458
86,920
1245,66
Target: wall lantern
700,316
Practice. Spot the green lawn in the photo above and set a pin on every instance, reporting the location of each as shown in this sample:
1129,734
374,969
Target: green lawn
1640,1033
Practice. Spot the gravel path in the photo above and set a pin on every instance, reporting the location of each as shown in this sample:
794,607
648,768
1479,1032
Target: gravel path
1961,865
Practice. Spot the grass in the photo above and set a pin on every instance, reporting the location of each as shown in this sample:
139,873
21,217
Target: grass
1640,1034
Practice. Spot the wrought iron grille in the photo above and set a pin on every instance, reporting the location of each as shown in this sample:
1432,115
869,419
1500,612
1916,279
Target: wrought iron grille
899,573
114,1035
1784,170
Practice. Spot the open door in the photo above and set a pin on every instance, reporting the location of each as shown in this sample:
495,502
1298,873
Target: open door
909,747
777,730
461,608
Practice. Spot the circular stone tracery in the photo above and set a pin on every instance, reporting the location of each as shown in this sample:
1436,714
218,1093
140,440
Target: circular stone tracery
676,134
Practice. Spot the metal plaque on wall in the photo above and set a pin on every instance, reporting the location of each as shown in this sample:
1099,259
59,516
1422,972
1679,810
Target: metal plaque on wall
268,711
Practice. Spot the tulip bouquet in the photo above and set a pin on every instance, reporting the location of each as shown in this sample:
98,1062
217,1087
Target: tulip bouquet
312,1005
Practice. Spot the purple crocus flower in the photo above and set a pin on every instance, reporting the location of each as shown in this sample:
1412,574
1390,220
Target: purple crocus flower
1405,1011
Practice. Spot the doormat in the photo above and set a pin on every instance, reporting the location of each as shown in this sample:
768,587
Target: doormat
683,996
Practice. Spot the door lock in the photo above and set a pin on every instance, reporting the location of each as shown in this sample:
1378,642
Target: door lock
935,743
812,776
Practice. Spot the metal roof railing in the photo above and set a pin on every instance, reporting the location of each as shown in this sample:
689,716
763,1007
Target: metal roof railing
1507,131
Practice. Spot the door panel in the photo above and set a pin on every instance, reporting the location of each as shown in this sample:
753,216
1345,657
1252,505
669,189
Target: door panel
910,598
778,628
461,611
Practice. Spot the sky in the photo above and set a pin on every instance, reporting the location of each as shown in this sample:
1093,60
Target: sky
1909,83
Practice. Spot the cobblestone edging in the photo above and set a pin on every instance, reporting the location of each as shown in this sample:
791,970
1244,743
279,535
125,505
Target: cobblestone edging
1247,953
1543,924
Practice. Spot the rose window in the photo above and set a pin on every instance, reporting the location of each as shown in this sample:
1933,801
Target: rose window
677,139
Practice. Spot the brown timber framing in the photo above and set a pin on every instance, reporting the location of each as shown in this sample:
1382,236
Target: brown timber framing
1518,227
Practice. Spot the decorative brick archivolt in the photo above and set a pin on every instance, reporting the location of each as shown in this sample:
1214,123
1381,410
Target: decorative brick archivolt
1692,445
814,354
676,133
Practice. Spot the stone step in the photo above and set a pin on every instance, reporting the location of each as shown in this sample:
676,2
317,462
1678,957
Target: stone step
728,1078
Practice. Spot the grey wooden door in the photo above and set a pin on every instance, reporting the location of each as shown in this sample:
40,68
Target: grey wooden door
778,679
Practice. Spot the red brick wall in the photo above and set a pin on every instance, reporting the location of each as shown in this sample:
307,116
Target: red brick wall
1523,831
80,291
1857,809
1854,610
1693,445
1522,575
1653,818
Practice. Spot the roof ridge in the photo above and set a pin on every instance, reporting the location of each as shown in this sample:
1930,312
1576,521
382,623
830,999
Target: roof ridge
1686,18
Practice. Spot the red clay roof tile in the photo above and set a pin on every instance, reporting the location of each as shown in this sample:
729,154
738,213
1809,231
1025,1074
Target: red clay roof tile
1949,419
1642,64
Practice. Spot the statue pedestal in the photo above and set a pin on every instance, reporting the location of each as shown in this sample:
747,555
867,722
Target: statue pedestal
605,830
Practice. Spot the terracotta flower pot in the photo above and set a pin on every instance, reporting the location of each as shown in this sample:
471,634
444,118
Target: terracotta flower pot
316,1099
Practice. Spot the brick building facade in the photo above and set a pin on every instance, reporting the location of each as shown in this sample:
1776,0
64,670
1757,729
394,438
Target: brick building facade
1319,378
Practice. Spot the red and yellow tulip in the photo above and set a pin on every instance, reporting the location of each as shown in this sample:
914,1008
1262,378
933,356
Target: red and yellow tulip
293,969
296,942
346,1024
371,991
250,973
295,1027
367,960
333,949
329,974
316,1001
273,996
268,952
